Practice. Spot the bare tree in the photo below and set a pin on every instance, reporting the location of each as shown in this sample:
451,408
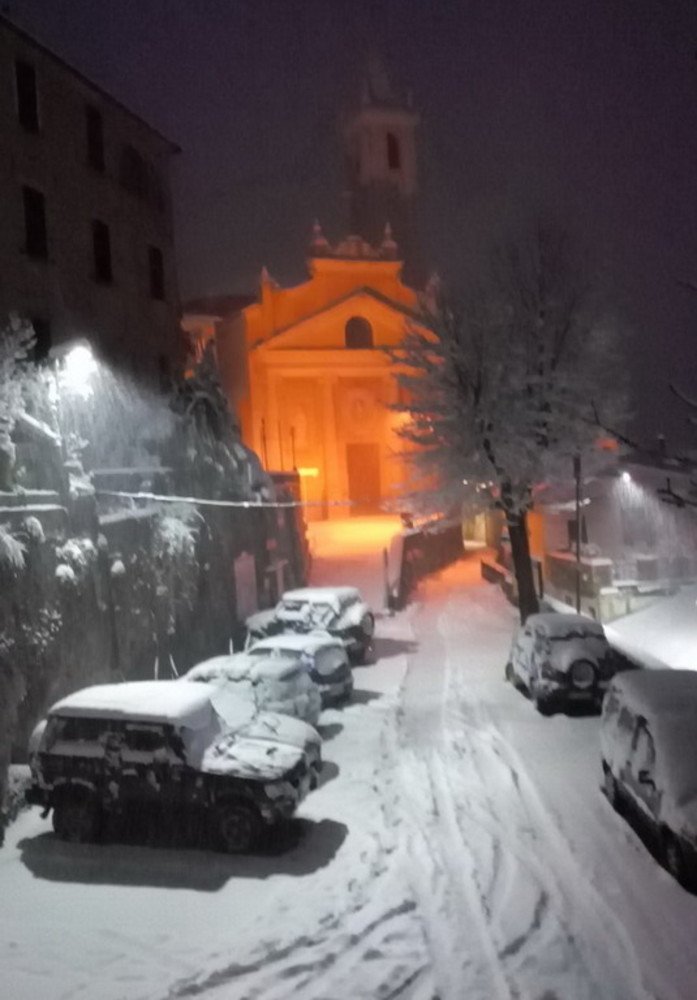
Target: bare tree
500,392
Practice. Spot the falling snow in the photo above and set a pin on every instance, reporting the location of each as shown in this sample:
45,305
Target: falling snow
459,846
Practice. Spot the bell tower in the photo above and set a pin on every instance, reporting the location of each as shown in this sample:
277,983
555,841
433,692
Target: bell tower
381,171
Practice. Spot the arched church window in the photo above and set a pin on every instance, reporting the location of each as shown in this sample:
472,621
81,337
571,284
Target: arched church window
358,333
393,152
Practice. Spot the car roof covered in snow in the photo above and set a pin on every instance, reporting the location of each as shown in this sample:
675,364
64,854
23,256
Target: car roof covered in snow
243,667
232,666
321,595
146,701
654,693
295,642
562,625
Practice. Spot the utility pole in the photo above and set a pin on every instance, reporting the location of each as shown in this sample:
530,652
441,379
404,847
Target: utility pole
577,477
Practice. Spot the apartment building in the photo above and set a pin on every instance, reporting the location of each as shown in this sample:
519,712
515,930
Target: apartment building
86,234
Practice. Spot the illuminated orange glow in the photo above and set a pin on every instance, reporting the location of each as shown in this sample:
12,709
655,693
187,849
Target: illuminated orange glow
305,399
353,536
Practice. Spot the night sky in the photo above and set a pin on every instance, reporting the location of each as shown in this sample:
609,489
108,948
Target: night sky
586,109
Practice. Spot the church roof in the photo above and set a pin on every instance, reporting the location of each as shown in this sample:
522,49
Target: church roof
354,247
385,300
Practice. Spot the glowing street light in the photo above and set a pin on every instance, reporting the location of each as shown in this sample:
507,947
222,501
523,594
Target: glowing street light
77,368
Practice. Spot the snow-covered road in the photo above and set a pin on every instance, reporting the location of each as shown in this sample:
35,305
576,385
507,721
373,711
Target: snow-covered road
458,848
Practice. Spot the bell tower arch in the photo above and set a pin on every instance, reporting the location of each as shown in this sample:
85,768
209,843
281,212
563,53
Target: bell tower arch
381,166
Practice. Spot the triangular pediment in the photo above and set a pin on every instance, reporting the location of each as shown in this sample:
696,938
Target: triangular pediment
325,328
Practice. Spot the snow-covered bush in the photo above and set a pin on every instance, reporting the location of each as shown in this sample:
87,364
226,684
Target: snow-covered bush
11,550
16,343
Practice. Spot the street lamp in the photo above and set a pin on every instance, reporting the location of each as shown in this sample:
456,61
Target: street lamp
73,366
577,477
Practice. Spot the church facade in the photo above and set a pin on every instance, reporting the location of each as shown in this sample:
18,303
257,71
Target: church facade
304,366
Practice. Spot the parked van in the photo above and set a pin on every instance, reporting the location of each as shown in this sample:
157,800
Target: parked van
648,741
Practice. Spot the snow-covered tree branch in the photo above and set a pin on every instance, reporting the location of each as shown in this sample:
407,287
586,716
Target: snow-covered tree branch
16,343
501,392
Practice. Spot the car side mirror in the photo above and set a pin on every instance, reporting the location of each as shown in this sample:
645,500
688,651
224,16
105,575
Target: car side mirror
645,778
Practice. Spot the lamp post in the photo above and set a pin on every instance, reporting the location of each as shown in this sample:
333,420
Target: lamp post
577,478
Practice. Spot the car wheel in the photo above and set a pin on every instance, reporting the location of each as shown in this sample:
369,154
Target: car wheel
361,654
674,858
238,827
610,787
77,819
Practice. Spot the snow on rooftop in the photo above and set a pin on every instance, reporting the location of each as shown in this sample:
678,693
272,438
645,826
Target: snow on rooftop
151,701
319,595
565,624
664,634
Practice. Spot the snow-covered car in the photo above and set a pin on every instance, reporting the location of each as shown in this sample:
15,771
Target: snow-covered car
340,611
648,744
160,748
323,655
560,659
271,683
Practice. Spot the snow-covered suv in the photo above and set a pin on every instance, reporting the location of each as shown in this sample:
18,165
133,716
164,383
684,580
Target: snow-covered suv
648,742
340,611
161,748
561,659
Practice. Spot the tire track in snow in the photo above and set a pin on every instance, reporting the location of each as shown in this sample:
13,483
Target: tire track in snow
512,833
370,943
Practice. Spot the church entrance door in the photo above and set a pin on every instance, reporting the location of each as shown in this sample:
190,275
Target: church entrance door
363,468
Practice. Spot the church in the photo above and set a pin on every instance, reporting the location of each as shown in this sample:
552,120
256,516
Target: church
304,367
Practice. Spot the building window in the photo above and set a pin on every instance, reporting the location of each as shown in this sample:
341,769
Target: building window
572,532
35,223
358,334
156,273
27,96
394,160
101,251
94,131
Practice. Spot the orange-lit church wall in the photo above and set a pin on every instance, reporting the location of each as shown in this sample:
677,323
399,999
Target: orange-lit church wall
306,398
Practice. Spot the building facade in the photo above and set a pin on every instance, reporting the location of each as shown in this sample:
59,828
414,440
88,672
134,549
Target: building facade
308,377
87,243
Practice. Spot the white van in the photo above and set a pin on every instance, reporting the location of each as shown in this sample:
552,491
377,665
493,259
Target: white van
648,742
